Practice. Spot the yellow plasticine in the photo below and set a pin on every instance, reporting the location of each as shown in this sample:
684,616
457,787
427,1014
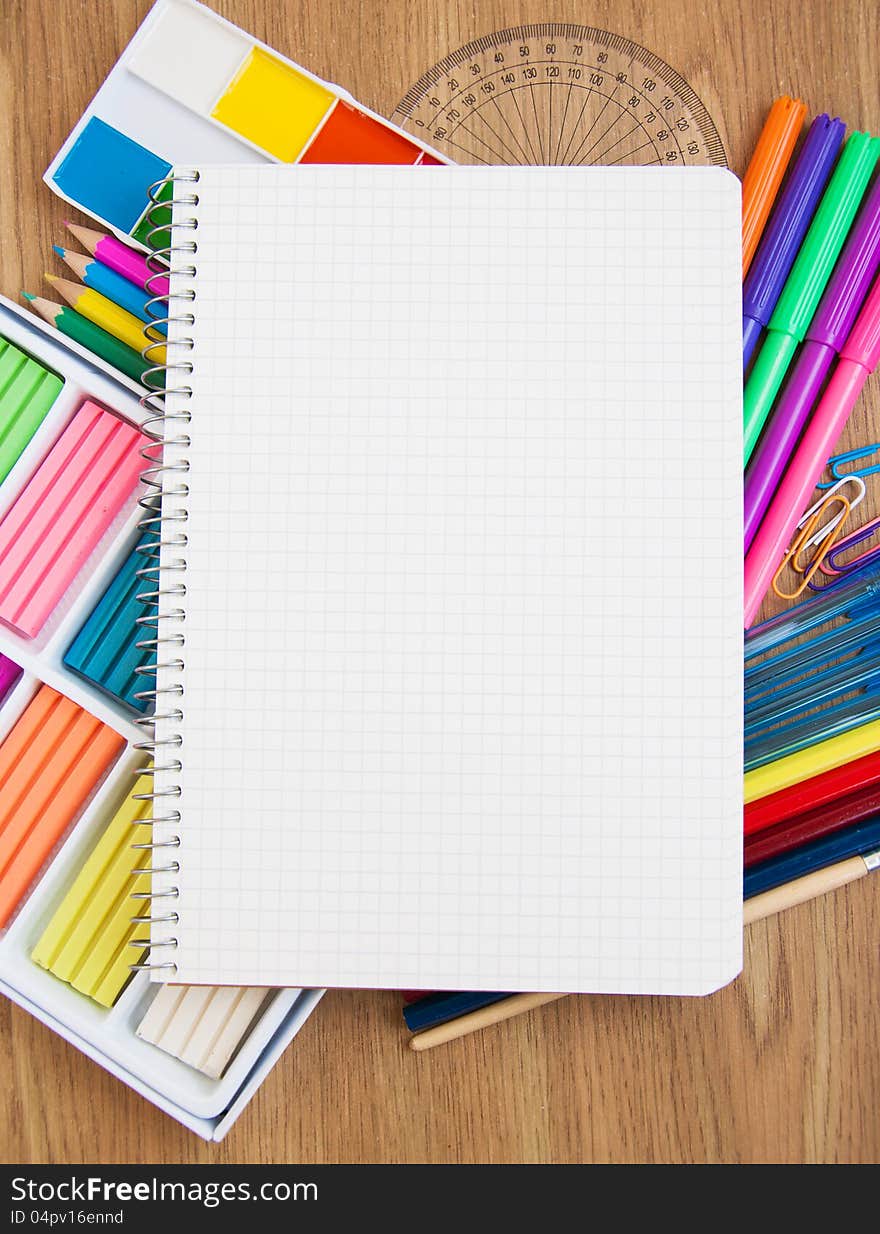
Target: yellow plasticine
87,941
273,106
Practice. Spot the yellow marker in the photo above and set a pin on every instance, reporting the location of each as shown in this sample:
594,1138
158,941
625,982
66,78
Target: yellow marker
816,759
273,106
86,942
109,316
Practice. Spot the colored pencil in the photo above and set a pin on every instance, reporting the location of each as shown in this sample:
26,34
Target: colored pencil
112,285
109,316
811,825
815,760
757,908
807,795
766,169
517,1004
809,887
849,842
437,1009
90,336
126,261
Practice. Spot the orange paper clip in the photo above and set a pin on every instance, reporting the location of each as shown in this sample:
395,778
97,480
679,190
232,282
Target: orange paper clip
766,169
811,534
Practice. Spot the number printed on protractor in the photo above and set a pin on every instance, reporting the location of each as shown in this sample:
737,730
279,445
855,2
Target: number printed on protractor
560,94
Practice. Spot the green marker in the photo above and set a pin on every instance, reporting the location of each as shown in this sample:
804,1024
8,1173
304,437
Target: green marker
806,282
92,337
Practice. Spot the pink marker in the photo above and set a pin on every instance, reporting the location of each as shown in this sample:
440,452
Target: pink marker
55,523
859,356
126,261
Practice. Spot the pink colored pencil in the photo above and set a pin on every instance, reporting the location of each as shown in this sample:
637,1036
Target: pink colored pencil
859,356
56,522
119,257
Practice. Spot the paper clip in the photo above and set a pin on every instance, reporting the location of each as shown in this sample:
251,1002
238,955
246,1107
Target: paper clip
850,456
809,528
843,574
832,563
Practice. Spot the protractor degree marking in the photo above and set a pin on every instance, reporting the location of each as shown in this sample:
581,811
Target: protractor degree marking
513,135
562,124
560,54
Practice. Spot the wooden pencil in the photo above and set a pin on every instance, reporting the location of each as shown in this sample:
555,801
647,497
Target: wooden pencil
109,316
90,336
767,904
812,825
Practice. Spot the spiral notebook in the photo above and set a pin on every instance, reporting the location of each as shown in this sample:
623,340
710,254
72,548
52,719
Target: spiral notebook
450,692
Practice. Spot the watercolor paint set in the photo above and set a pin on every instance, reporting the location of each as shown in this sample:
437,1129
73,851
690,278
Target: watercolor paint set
235,100
73,788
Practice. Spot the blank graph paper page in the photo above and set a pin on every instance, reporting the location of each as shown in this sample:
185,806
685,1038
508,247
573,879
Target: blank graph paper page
463,638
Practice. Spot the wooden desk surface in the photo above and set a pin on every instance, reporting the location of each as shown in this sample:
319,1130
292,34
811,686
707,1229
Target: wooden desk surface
781,1066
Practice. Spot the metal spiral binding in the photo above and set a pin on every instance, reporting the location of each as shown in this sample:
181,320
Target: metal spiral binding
165,424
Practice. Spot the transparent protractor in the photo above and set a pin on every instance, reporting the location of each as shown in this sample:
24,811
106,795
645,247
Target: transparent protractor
560,94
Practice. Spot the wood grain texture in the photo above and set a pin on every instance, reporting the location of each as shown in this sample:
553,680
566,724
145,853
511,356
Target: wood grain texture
781,1066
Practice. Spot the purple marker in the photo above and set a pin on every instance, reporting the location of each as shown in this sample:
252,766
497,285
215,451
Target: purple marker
787,227
827,332
9,675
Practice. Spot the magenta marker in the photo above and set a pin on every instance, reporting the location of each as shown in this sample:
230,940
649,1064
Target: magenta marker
827,332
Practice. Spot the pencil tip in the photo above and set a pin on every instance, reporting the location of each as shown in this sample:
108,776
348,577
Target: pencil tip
50,278
26,295
59,250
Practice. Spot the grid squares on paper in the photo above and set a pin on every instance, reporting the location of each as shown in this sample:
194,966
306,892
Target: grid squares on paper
463,633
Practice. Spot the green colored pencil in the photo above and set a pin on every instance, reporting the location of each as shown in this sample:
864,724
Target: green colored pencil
85,332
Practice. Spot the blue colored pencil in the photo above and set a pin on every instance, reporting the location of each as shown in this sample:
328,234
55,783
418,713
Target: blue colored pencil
436,1009
121,291
853,841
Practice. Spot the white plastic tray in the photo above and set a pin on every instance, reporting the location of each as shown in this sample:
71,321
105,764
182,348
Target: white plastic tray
108,1036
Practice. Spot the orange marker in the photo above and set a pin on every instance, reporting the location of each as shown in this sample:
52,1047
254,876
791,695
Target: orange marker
50,763
764,174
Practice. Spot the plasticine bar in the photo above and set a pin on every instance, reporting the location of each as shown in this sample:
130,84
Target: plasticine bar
105,651
203,1026
9,675
67,506
87,941
50,763
27,391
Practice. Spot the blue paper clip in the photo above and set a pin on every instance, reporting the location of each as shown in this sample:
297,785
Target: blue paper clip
850,456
